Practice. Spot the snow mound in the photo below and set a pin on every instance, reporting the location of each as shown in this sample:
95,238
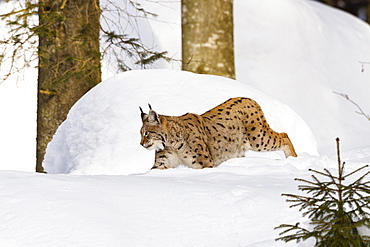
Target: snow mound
101,134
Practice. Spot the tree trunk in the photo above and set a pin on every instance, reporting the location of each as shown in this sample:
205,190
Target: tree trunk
69,62
208,37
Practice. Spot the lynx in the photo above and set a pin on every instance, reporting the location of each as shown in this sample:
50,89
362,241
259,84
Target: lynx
200,141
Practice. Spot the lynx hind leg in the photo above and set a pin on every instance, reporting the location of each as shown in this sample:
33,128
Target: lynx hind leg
287,146
201,160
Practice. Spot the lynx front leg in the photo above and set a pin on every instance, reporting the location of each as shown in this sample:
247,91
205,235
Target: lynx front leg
164,160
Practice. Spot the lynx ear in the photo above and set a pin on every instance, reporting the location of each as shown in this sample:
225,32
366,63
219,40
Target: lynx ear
144,116
154,117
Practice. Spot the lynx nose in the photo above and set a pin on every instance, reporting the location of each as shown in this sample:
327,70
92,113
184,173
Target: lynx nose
142,142
145,144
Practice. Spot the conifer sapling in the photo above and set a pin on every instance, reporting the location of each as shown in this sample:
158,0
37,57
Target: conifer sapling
336,210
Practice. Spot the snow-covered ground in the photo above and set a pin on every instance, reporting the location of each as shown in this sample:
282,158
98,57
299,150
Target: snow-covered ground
237,204
297,51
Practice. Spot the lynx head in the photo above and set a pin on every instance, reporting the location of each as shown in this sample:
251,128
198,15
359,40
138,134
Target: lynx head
152,132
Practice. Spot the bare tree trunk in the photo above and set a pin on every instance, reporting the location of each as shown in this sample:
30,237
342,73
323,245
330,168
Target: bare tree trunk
69,62
208,37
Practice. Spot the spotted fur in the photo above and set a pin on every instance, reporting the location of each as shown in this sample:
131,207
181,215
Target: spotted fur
199,141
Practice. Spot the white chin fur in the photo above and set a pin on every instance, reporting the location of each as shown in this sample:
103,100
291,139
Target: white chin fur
158,146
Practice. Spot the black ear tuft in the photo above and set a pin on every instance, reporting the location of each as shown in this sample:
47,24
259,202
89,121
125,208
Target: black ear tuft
150,107
143,115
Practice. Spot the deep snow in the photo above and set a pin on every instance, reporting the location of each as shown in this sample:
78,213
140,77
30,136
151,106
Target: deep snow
101,133
236,204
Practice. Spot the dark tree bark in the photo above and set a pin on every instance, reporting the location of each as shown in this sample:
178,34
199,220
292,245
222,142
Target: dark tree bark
208,37
69,62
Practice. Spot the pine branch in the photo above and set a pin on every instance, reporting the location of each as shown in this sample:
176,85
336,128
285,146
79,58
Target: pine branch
327,174
357,171
301,233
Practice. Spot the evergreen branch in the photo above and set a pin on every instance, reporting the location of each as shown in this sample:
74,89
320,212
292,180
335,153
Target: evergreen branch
365,166
300,235
321,173
303,180
14,12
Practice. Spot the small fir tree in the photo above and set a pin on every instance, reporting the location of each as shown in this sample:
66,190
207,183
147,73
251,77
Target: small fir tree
335,210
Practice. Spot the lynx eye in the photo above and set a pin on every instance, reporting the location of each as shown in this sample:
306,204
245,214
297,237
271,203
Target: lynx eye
146,134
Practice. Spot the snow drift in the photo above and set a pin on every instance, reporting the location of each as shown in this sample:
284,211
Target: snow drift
101,133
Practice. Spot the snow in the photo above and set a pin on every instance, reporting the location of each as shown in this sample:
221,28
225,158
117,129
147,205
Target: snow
101,133
278,44
237,204
306,52
18,122
227,206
